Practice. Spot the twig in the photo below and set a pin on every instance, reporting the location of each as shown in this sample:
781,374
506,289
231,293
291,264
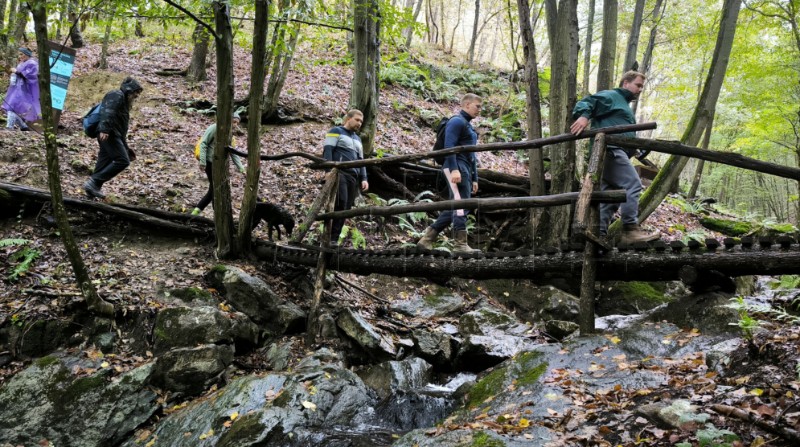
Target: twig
360,289
786,433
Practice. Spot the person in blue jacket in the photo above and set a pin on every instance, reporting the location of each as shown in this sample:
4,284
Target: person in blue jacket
342,143
610,108
461,172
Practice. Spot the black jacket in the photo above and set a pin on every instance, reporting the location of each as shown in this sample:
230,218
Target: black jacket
115,112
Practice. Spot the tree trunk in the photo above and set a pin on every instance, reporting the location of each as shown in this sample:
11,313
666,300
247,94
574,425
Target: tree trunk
258,71
280,70
444,25
9,48
471,52
197,67
364,93
458,22
409,31
138,30
551,14
608,46
430,19
3,5
223,212
698,173
75,35
562,98
587,49
103,64
534,109
703,113
93,300
658,12
22,22
633,38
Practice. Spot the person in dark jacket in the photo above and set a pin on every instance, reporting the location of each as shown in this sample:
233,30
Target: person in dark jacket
461,172
114,155
610,108
343,144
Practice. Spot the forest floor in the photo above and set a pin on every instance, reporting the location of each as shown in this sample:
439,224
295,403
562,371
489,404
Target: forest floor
131,267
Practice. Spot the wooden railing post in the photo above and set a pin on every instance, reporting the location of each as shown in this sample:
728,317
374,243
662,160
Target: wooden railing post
329,201
587,219
328,189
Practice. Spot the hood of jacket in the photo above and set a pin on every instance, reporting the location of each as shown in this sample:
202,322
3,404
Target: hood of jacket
130,85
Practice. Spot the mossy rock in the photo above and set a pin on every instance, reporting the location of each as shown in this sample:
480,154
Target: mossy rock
631,297
726,226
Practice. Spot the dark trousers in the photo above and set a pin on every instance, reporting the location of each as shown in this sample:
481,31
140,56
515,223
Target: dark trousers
345,197
457,217
111,160
209,197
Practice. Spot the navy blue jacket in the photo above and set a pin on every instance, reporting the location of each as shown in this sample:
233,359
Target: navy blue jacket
459,132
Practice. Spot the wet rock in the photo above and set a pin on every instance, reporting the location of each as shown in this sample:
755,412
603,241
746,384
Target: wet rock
422,438
291,319
190,371
246,293
180,327
436,347
46,401
631,297
489,337
278,355
487,320
365,336
534,303
560,329
718,357
669,415
388,378
708,311
430,306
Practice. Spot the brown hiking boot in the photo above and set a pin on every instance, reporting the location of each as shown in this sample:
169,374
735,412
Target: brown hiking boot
634,233
427,240
461,245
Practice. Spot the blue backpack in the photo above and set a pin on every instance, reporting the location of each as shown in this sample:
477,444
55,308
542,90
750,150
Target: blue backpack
91,121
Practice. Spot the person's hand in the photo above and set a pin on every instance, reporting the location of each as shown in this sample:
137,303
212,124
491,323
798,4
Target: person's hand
455,176
474,187
102,136
364,185
579,125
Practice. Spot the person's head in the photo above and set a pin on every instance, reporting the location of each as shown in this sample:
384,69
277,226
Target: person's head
633,81
131,88
353,120
471,103
236,119
25,54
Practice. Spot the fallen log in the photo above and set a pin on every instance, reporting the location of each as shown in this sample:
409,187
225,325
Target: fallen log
182,226
784,432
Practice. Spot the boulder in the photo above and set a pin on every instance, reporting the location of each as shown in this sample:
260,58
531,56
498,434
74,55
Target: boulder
430,306
388,378
246,293
190,371
437,347
560,329
630,297
533,303
181,327
365,336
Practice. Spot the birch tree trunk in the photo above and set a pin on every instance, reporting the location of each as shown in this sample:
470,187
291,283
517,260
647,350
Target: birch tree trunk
223,212
633,37
608,46
258,71
658,13
93,300
364,94
703,113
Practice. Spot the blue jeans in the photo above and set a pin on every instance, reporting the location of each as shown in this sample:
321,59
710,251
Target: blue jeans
619,173
457,217
12,118
111,160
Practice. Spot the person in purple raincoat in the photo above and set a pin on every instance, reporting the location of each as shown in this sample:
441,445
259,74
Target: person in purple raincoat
22,99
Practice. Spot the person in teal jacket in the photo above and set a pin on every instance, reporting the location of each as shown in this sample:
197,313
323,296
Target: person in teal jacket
610,108
206,155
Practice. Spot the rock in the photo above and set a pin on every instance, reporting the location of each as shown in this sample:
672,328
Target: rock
560,329
291,319
246,293
388,378
80,167
190,371
487,320
430,306
190,296
718,357
365,336
436,347
669,415
631,297
46,401
534,303
479,352
180,327
708,311
36,338
278,355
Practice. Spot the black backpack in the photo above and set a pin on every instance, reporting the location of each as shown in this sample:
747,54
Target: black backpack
439,144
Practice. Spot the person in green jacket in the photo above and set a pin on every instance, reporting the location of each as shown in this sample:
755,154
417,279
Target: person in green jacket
610,108
206,155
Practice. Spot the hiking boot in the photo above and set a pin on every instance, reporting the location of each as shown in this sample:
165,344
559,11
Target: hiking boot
92,190
634,233
427,240
461,245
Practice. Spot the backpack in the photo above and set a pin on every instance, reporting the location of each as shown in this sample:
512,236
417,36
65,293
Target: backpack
439,144
91,121
200,140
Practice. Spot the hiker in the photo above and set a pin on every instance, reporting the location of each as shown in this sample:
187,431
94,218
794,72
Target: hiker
22,99
343,144
114,155
461,172
610,108
206,155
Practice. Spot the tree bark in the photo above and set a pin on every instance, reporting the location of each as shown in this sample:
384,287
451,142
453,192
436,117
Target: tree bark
458,22
197,67
587,49
703,113
103,64
409,31
223,212
281,65
258,71
698,172
474,39
9,49
93,300
364,93
608,46
633,38
658,12
75,35
328,189
21,23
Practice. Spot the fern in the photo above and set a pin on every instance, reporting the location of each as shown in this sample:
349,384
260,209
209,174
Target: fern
358,239
13,242
27,256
